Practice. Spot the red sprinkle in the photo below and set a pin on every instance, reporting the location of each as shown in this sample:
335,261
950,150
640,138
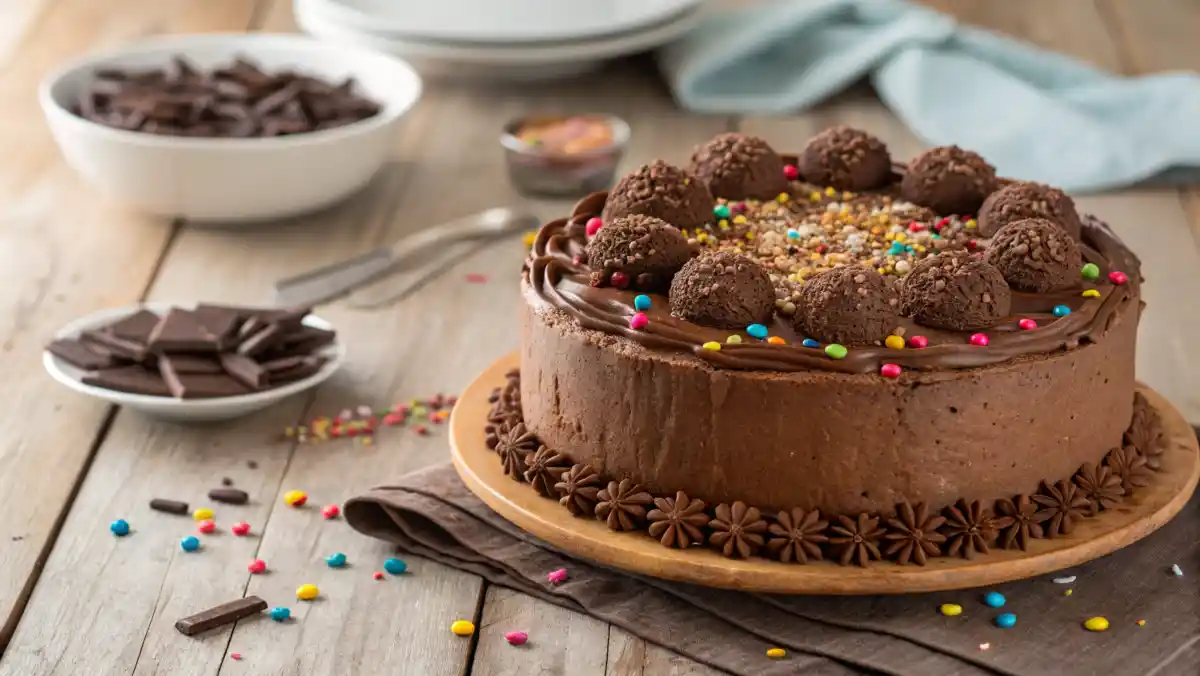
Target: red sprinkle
971,244
422,430
1118,277
1026,325
822,248
790,173
619,280
206,526
235,656
377,575
330,511
393,419
915,227
240,528
639,321
918,342
476,278
979,339
257,566
516,637
593,226
890,370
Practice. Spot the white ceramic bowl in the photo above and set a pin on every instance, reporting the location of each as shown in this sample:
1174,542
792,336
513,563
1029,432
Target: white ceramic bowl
184,410
223,179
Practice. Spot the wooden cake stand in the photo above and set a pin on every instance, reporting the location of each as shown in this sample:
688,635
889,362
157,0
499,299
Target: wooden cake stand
1133,520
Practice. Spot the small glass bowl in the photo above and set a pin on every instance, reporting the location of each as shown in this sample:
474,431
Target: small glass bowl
549,171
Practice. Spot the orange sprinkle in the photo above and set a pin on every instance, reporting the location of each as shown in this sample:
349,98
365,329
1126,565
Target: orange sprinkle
776,340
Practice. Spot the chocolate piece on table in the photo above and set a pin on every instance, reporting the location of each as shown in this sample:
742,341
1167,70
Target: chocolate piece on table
120,347
218,616
79,354
169,506
181,331
133,379
192,363
260,341
230,496
136,327
308,366
244,369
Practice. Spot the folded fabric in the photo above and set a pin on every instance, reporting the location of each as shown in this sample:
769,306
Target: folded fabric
1034,114
430,513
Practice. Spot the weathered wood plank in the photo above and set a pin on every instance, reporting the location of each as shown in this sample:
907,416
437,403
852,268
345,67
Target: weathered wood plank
629,655
561,642
64,252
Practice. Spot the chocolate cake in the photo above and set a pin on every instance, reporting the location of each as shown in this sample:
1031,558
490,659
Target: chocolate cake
834,374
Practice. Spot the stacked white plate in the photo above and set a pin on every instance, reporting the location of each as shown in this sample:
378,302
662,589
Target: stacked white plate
501,39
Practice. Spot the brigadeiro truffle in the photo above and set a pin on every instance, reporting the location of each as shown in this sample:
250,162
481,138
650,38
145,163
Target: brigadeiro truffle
1035,255
955,290
849,304
724,290
662,191
948,180
738,166
1019,201
648,250
847,159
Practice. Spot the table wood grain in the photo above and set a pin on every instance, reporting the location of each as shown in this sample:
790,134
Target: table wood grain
73,599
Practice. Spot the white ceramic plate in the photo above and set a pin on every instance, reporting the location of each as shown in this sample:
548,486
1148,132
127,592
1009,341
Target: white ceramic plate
514,62
184,410
496,22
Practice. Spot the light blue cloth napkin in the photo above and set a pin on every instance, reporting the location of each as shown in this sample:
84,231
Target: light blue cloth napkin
1034,114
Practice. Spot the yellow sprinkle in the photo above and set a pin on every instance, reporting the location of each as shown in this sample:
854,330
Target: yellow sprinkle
830,191
202,514
750,235
739,219
950,609
1068,592
529,237
889,236
877,230
687,181
900,237
1096,624
1141,623
776,340
776,653
814,196
881,271
734,339
894,342
307,592
712,345
724,222
971,224
1091,293
783,197
920,248
462,627
847,195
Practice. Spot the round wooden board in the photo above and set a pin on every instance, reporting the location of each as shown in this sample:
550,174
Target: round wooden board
479,468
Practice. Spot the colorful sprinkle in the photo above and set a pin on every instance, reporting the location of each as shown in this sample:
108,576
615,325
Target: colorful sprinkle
638,321
641,302
1096,624
712,345
557,576
790,172
240,528
1026,324
994,599
120,527
377,575
894,342
206,526
476,278
336,560
890,370
793,234
619,280
202,514
421,430
1091,293
979,339
1176,570
1006,620
1090,271
1141,623
235,656
462,628
1064,580
295,498
985,646
1068,592
809,342
776,653
721,211
593,226
190,543
307,592
918,342
257,567
1117,277
330,511
281,614
783,198
395,566
776,340
529,238
735,339
516,637
950,609
836,351
1061,310
757,331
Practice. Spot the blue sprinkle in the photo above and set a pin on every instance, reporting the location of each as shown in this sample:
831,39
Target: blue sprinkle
793,234
757,331
335,560
809,342
1061,310
190,543
1006,620
994,599
896,249
280,614
642,302
395,566
119,527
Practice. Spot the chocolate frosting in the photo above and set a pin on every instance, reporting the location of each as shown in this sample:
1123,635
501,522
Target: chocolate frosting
560,283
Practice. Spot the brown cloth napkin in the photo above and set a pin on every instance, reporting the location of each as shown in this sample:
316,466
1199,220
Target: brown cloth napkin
430,513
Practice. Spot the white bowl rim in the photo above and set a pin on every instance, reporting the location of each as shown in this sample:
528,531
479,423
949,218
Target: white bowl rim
336,351
387,115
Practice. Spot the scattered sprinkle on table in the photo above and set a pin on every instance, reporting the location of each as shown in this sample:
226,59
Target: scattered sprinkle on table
206,526
190,543
377,575
1006,620
463,627
1176,570
307,592
395,566
335,560
557,576
994,599
1064,580
295,498
202,514
516,637
240,528
120,527
1068,592
476,278
1096,624
776,653
257,566
985,646
950,609
280,614
330,511
1141,623
235,656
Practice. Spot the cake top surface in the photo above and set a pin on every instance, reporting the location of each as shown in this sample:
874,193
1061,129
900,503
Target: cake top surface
1042,289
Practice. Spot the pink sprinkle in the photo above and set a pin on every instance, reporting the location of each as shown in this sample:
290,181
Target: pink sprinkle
240,528
942,223
257,566
979,339
206,526
476,278
619,279
393,419
918,342
422,430
557,576
593,226
639,321
330,511
1118,277
890,370
377,575
235,656
1026,325
516,637
790,172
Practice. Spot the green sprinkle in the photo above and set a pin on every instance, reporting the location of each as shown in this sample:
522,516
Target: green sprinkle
721,211
734,339
836,351
1091,271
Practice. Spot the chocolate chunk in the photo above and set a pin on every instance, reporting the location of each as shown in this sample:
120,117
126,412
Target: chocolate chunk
134,379
218,616
283,364
200,385
169,506
222,322
136,327
288,319
226,481
260,340
252,464
307,366
191,363
78,354
230,496
181,331
126,349
306,340
244,369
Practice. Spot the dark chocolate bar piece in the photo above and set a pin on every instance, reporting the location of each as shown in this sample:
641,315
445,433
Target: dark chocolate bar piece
120,347
191,363
79,354
230,496
220,321
260,341
244,369
135,327
181,331
198,385
135,379
169,506
308,366
219,616
303,341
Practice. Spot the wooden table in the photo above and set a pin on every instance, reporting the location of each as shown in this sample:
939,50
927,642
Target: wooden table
74,599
